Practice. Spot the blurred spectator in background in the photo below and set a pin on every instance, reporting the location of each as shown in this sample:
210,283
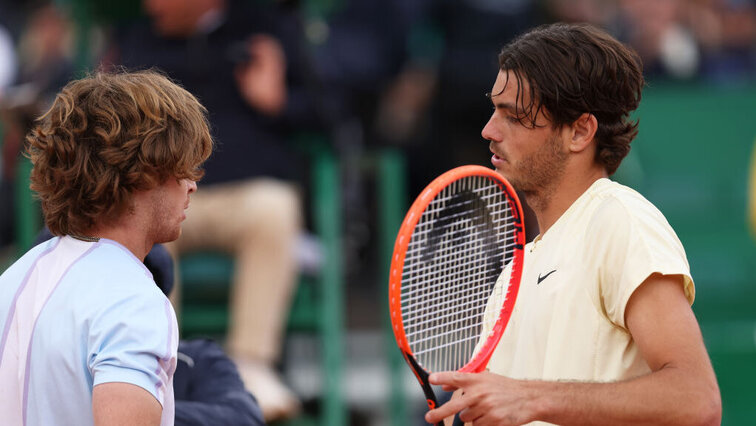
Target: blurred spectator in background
435,103
232,56
7,58
398,73
726,34
7,75
655,28
709,40
44,65
46,50
658,32
357,48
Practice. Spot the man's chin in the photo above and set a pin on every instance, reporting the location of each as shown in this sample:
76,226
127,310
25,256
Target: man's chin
169,237
508,178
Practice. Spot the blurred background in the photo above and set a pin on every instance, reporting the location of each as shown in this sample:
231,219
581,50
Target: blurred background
382,96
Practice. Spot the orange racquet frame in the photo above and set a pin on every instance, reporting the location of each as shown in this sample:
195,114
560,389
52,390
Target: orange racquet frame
480,359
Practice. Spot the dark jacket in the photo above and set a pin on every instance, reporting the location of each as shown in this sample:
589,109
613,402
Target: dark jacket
208,389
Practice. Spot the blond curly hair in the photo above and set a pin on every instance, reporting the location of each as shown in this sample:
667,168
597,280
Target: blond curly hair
108,135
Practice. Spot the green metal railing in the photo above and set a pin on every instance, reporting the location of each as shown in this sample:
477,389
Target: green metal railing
392,200
327,222
28,220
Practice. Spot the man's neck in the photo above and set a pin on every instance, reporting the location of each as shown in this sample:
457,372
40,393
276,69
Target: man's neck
136,242
550,205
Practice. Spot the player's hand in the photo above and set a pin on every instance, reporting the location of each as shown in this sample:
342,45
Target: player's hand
486,399
262,80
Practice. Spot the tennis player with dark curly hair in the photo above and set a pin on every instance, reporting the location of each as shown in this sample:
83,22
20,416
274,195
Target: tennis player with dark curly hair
87,336
602,332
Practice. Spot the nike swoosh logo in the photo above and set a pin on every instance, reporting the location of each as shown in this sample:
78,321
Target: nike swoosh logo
541,278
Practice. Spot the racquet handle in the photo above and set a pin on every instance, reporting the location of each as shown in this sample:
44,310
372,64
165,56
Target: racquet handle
422,377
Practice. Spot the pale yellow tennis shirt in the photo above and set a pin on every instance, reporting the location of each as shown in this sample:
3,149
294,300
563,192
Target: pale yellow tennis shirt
569,319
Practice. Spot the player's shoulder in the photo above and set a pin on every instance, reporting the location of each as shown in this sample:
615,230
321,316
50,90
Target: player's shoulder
115,261
617,202
21,266
111,274
622,211
607,189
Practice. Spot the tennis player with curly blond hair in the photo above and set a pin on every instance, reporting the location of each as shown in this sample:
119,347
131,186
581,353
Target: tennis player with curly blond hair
87,336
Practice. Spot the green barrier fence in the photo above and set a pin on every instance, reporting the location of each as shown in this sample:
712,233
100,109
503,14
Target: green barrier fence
691,159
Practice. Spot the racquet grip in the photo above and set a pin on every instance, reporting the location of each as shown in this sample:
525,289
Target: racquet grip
422,377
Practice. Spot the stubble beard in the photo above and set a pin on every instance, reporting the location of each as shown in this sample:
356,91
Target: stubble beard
539,174
164,228
169,228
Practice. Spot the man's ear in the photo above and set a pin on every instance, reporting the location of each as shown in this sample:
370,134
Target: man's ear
583,131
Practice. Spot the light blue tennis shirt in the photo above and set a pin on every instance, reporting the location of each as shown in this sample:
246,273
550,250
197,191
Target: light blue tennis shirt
75,314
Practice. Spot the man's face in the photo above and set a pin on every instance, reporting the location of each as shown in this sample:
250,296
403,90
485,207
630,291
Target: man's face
169,201
531,158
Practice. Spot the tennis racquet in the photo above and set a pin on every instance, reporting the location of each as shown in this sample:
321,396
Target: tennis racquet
458,236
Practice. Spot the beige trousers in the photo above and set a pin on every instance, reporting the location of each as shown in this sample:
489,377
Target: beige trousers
257,222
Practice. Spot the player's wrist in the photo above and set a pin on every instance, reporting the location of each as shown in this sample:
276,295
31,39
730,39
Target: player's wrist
540,400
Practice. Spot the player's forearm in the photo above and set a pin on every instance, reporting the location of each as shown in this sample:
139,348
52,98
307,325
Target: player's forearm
669,396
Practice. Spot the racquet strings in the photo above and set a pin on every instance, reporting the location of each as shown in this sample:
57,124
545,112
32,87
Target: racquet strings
458,249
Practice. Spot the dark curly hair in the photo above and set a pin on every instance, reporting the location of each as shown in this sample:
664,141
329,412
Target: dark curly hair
573,69
107,136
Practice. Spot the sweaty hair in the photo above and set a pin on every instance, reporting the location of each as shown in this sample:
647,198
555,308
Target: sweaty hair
107,136
574,69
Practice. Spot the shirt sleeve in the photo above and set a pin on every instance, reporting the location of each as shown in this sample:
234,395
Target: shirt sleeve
134,340
632,240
